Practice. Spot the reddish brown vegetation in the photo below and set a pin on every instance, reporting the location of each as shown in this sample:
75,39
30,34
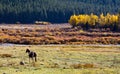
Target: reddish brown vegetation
5,55
77,66
55,35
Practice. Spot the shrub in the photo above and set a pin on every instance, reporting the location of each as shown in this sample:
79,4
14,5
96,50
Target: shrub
5,55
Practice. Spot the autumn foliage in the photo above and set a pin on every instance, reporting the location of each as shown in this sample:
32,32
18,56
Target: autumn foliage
86,22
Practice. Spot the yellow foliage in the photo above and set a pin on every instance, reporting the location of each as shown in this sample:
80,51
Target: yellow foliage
73,20
93,19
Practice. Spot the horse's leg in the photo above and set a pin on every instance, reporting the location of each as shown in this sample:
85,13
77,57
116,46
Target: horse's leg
29,60
35,59
32,60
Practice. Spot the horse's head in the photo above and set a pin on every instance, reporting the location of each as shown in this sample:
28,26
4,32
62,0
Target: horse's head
27,51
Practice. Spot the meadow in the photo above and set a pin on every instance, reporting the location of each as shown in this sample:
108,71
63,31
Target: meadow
61,59
60,50
55,34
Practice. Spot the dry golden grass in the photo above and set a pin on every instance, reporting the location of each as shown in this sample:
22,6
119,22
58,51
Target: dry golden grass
70,59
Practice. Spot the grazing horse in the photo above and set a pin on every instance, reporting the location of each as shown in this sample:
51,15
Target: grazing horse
31,55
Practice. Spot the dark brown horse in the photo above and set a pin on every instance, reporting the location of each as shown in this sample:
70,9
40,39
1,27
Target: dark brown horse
31,55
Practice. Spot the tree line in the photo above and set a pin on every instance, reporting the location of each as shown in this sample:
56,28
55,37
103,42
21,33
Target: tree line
55,11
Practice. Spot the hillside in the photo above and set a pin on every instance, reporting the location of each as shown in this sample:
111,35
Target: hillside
55,11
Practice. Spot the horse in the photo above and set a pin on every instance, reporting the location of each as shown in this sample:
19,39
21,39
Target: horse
32,55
